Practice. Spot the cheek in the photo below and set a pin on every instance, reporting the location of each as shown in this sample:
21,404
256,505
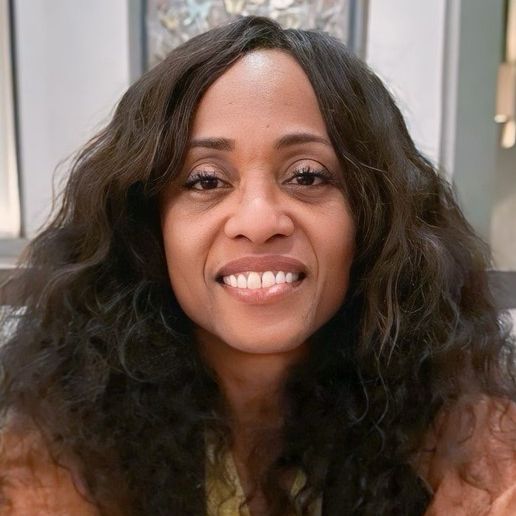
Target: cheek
187,246
182,253
336,247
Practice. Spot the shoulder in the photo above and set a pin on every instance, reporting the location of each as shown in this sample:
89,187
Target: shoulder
32,482
468,460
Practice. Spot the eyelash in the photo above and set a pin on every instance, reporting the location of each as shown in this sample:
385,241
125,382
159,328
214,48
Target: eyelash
304,172
202,175
308,172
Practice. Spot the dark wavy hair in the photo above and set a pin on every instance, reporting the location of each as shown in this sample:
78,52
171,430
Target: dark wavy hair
101,359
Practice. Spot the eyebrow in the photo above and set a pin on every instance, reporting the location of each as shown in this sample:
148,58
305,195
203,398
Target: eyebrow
296,138
226,144
222,144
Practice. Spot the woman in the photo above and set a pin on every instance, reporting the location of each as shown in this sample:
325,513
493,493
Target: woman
257,297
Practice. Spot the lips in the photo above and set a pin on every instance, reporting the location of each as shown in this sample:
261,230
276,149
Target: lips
262,264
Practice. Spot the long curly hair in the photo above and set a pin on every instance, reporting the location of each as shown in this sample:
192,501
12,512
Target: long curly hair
101,359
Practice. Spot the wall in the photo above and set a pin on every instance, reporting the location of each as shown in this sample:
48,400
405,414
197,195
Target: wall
72,65
476,134
74,60
405,46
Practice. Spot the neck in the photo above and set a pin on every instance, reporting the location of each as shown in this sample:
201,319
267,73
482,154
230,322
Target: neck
253,386
252,383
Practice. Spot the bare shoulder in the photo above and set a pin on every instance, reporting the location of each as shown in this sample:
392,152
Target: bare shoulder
32,482
468,460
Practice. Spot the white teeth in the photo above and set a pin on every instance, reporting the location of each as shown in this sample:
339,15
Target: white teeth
290,277
268,279
242,282
255,280
280,277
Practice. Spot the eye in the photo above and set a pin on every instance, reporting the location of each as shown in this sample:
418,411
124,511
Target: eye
308,176
203,181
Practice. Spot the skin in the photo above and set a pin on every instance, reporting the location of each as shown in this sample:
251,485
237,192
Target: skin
255,205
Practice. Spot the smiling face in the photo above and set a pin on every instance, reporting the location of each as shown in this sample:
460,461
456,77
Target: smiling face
258,236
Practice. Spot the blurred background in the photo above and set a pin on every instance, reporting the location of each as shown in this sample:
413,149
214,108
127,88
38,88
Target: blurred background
451,65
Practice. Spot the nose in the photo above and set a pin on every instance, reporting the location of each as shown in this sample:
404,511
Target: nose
259,214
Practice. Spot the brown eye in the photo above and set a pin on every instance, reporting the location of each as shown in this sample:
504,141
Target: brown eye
204,181
305,179
207,183
310,177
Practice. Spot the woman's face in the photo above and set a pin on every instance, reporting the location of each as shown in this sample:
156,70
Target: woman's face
258,236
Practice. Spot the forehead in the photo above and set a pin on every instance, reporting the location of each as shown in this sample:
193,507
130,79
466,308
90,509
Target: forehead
263,87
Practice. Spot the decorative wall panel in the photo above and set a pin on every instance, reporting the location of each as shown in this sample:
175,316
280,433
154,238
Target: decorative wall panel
171,22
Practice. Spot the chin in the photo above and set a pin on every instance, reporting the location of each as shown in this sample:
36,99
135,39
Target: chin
263,345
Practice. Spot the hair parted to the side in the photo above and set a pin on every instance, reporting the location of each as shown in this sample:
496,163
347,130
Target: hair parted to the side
102,361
